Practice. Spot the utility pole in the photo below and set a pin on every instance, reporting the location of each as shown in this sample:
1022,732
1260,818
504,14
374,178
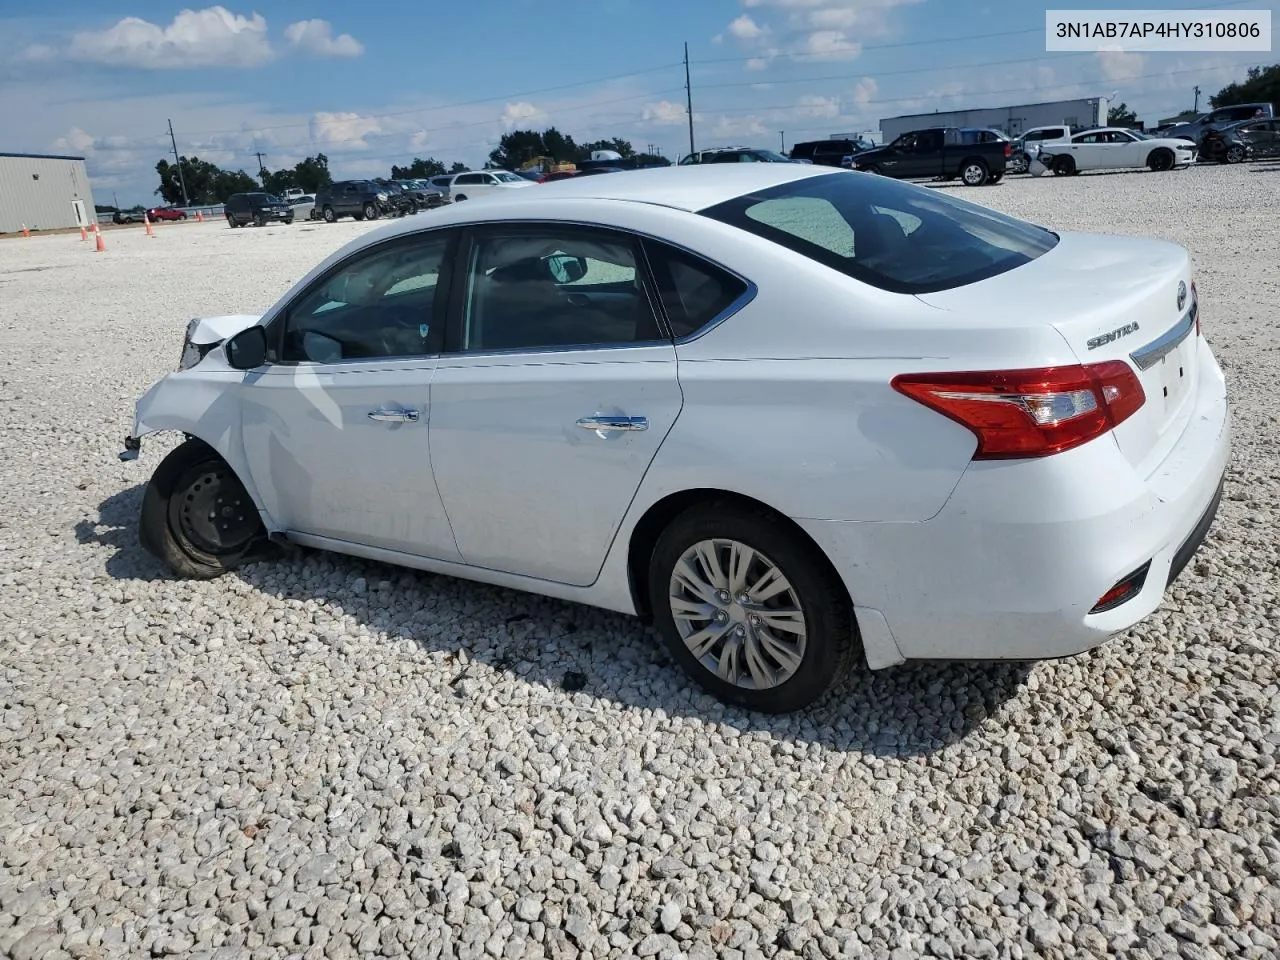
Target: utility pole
186,201
1197,106
259,154
688,94
782,140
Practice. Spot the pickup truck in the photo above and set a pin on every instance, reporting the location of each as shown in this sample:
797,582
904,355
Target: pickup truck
942,153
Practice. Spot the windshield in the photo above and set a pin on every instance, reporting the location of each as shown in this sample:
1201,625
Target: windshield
506,177
272,198
895,236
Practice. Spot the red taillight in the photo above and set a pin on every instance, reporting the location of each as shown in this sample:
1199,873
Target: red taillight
1030,413
1008,149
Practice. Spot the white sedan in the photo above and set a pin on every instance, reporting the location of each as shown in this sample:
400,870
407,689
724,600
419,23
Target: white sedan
304,206
1115,148
784,411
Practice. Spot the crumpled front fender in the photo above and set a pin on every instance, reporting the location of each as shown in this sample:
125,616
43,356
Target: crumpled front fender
204,405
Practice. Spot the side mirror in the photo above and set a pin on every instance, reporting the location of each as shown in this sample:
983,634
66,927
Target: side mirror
247,350
567,269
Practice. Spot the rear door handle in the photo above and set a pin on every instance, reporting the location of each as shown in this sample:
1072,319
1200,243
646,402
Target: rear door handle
603,425
385,415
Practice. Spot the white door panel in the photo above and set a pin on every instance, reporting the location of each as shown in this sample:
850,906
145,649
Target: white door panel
327,468
527,489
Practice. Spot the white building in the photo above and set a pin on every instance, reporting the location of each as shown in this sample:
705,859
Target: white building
40,191
1081,114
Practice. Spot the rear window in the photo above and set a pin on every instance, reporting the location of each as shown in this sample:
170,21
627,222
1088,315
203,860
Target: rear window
895,236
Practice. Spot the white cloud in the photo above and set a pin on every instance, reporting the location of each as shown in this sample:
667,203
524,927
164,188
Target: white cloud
316,36
831,45
195,38
347,129
812,105
744,28
864,91
1117,65
664,113
523,114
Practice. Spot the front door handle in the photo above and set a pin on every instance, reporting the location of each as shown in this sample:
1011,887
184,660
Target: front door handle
394,416
603,425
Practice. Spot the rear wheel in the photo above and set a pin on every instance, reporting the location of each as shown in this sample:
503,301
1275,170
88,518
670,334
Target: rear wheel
231,221
749,608
459,197
1064,167
974,173
1160,160
197,516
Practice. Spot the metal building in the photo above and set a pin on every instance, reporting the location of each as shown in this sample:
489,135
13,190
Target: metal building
41,190
1082,114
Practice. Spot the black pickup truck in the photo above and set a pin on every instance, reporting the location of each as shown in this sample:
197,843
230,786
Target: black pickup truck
941,153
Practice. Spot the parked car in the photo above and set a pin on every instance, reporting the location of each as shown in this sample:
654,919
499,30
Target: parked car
423,194
1262,136
938,153
1025,146
443,183
484,183
828,153
1114,148
304,206
257,208
400,201
747,155
700,156
166,213
360,199
126,216
912,475
1221,117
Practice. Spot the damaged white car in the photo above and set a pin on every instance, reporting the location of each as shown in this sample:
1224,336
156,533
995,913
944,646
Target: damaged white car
769,406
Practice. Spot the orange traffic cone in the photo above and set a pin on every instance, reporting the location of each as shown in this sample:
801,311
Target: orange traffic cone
83,236
101,247
199,218
25,231
147,220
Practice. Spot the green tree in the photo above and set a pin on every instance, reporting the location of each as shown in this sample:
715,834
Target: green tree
1121,116
312,174
623,147
419,170
1261,85
279,181
457,167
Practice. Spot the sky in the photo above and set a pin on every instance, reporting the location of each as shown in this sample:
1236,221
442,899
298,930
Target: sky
375,84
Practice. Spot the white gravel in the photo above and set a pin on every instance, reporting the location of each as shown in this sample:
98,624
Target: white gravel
330,758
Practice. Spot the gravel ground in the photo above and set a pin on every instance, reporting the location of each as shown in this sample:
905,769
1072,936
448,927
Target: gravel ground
322,757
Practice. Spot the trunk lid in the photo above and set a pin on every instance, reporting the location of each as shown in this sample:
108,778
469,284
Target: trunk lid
1111,298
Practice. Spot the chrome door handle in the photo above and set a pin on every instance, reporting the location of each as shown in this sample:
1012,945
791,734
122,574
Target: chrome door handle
394,416
602,424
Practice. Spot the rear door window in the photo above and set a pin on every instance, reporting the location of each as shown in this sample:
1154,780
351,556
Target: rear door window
888,234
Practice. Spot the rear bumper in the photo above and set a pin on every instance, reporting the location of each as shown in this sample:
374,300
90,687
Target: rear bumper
1012,565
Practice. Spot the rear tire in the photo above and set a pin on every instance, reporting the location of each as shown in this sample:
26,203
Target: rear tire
231,221
974,173
798,627
460,197
197,516
1064,167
